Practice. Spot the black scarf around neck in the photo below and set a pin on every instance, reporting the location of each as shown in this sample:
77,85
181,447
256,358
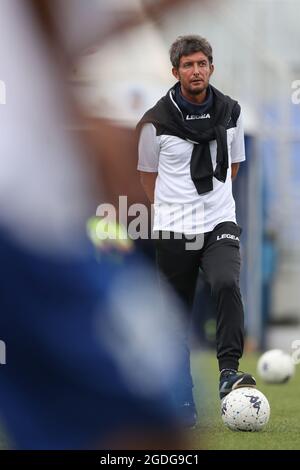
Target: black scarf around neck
168,120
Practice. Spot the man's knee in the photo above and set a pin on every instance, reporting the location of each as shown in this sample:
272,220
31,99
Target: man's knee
224,282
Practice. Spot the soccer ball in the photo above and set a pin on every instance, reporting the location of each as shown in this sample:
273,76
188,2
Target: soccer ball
275,366
245,409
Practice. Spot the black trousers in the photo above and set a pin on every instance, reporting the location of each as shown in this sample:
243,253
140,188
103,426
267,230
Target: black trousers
218,255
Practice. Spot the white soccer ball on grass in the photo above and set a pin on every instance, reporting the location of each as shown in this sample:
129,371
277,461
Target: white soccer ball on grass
275,366
245,409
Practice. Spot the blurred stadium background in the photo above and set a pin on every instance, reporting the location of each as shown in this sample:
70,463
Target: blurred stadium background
256,55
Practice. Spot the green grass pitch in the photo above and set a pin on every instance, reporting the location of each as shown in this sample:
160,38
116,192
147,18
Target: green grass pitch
283,429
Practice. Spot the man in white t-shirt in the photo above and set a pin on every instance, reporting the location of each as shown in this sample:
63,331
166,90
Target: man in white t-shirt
190,148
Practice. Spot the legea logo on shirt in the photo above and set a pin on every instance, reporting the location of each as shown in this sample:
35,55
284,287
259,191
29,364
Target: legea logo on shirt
191,117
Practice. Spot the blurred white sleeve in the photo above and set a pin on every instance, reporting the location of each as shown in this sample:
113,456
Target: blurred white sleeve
44,185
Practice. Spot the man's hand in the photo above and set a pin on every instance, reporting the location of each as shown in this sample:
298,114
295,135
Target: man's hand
148,182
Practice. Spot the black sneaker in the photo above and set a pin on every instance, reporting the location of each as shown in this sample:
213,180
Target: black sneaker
188,416
231,379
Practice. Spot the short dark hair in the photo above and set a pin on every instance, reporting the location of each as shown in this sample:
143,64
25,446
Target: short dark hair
185,45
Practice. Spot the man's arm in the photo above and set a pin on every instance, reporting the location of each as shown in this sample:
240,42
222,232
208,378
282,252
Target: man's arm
148,182
149,150
234,170
237,148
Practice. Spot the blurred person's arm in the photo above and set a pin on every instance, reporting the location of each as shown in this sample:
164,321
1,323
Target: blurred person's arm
77,27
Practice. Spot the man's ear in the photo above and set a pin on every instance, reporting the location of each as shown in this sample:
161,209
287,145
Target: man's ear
212,69
175,73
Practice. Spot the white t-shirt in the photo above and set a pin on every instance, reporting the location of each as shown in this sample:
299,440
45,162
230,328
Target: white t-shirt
177,205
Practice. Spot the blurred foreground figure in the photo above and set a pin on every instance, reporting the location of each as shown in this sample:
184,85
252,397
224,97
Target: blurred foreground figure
86,363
